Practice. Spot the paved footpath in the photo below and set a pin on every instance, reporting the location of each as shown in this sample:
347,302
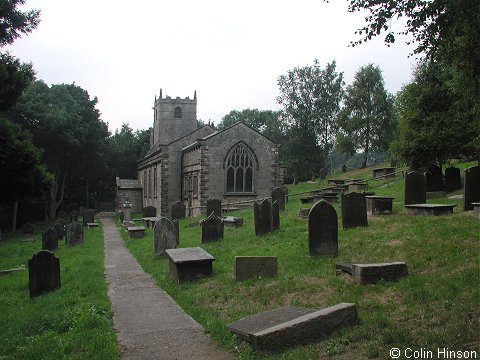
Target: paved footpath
149,323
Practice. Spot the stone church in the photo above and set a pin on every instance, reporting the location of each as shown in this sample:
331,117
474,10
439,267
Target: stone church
191,165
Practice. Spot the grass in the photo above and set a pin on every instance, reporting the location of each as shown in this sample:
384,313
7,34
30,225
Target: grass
437,305
73,322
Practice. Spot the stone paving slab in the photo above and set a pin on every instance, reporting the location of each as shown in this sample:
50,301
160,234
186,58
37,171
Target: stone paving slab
150,325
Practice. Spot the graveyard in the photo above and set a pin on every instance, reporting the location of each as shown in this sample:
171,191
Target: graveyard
435,305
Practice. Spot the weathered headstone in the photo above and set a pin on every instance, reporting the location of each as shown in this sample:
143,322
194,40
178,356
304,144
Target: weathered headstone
27,229
434,179
88,217
74,234
49,240
214,205
262,213
165,236
59,229
275,216
43,273
322,229
149,211
354,210
379,205
471,187
415,188
212,228
452,179
278,195
246,267
178,210
187,264
373,273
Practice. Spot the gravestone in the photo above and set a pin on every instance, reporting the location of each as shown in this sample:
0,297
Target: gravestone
61,221
262,213
121,214
189,264
214,205
354,210
275,216
165,236
372,273
212,228
49,240
27,229
178,210
73,216
471,187
74,234
43,273
59,229
149,211
278,195
452,179
232,221
434,179
247,267
88,217
344,168
322,229
285,190
415,188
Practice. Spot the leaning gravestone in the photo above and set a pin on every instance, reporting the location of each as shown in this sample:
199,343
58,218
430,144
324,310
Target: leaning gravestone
471,187
27,229
262,213
322,229
49,240
415,188
214,205
212,228
275,216
178,210
452,179
278,195
354,210
88,217
43,273
434,179
74,234
59,229
165,236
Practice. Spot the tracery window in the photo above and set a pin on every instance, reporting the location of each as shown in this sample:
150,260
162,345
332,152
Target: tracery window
239,170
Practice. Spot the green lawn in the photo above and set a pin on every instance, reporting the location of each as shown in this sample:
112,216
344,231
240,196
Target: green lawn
73,322
437,305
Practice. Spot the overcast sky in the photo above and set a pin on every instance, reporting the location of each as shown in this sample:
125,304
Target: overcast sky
230,52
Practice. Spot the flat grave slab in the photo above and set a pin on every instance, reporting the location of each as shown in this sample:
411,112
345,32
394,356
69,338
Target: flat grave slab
430,209
92,225
373,273
386,172
436,194
232,221
357,186
136,231
290,326
230,208
306,199
379,205
150,221
187,264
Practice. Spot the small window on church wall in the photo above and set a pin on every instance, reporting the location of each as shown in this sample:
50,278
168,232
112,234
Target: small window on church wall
239,170
145,183
149,183
155,182
177,113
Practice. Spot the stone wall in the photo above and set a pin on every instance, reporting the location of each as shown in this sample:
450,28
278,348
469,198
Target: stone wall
134,196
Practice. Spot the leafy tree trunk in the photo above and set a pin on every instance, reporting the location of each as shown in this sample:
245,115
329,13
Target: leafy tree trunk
55,188
14,214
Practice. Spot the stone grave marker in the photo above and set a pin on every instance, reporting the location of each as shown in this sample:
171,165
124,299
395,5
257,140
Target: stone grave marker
149,211
322,229
354,210
49,240
275,216
178,210
61,221
165,236
73,216
187,264
74,234
43,273
121,214
59,229
88,217
278,195
471,187
344,168
214,205
285,190
262,213
415,188
373,273
246,267
232,221
452,179
434,179
212,228
27,229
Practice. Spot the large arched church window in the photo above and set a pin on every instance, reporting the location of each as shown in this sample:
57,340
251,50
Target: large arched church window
239,167
177,114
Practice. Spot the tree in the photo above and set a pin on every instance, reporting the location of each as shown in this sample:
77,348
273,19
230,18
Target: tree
14,23
433,128
367,117
311,97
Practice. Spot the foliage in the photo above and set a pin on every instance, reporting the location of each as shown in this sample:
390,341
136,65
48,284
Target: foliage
14,23
14,78
367,117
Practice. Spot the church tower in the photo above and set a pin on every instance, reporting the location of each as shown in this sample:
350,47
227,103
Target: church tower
173,118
